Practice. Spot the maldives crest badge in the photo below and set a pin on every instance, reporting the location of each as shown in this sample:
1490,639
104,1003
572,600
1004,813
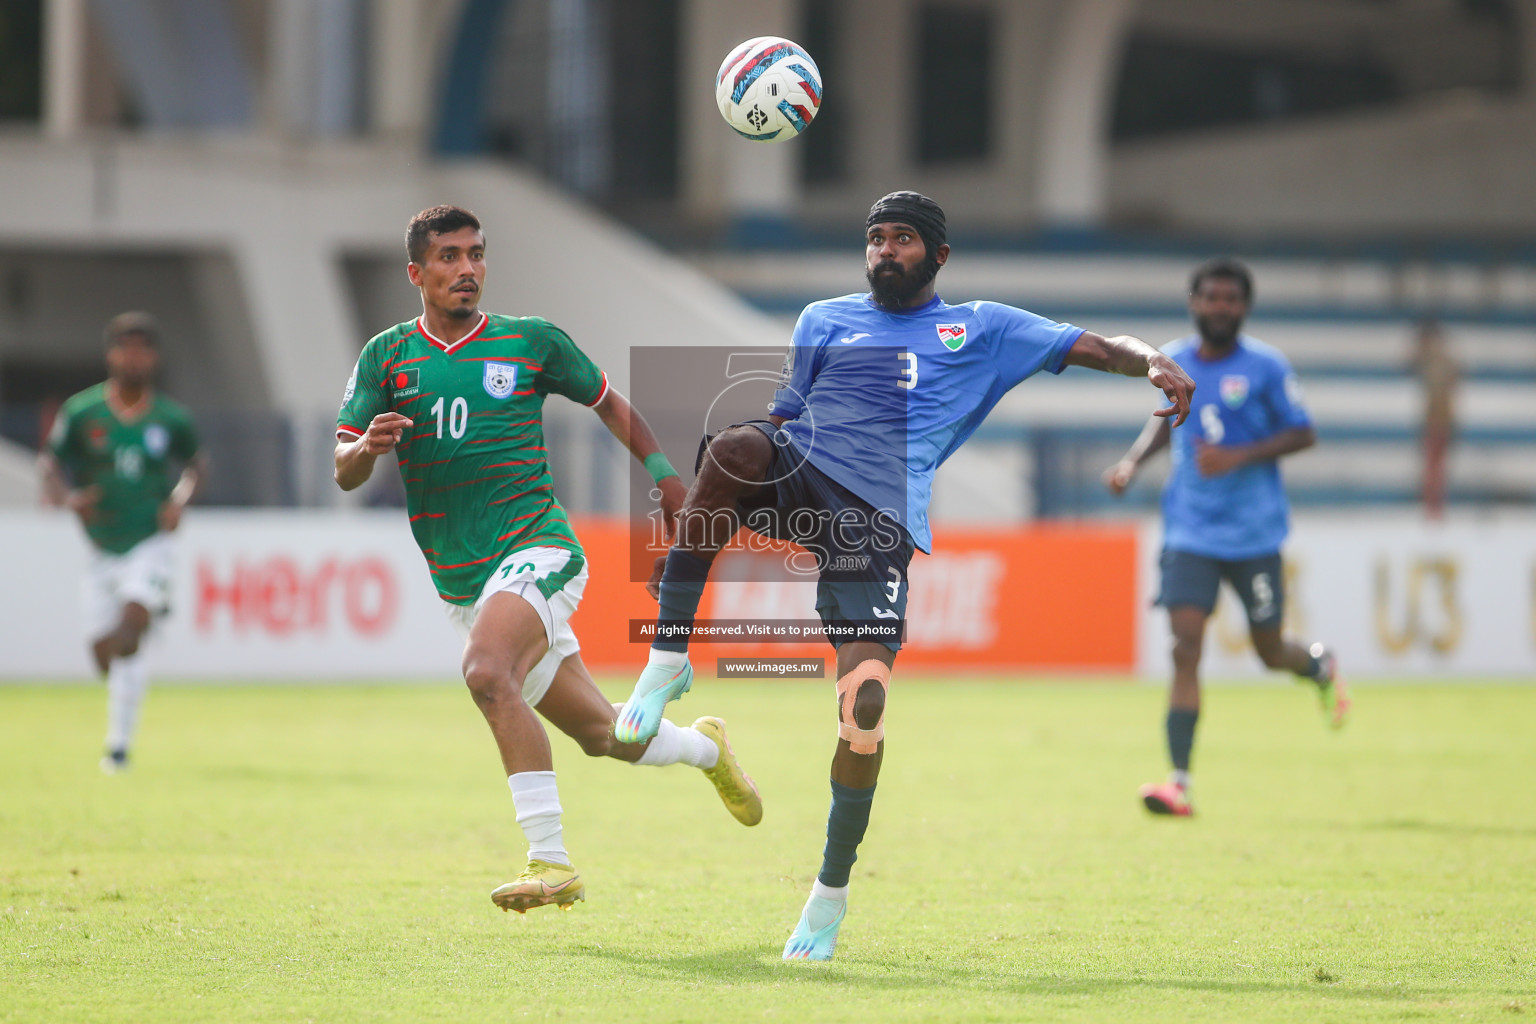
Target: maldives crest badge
1234,390
952,335
500,379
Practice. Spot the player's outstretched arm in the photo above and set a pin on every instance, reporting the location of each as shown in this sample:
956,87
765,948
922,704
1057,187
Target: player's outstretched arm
355,457
1153,438
625,423
1133,357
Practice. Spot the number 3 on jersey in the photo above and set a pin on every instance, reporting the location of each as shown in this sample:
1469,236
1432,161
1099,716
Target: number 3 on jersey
458,417
908,378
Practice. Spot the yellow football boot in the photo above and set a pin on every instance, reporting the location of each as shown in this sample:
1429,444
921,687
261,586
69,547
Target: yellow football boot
541,884
737,790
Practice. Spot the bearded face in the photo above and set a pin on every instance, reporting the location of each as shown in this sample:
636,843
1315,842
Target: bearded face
893,284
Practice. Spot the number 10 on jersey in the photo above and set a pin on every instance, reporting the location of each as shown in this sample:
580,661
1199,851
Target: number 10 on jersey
458,417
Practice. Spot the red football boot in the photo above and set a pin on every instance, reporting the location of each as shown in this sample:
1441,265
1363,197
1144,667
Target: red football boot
1166,798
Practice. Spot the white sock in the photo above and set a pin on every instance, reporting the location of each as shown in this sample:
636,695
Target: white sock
667,659
537,800
819,915
1179,778
698,750
674,744
127,681
829,892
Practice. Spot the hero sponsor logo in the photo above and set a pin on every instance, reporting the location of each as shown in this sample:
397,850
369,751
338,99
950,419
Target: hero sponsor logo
282,596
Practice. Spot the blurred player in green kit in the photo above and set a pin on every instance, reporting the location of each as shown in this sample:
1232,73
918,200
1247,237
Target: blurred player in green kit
459,395
111,459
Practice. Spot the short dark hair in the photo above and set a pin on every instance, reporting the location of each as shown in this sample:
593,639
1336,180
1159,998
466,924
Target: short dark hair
1223,267
135,322
437,220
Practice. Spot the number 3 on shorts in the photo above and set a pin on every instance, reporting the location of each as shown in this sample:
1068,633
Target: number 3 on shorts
893,588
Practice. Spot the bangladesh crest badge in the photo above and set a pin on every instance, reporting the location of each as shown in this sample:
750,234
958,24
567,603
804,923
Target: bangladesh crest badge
157,440
500,379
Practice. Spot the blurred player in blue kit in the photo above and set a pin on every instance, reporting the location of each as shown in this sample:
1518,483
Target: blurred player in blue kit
878,390
1224,509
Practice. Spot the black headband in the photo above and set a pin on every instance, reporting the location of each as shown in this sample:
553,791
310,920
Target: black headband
911,208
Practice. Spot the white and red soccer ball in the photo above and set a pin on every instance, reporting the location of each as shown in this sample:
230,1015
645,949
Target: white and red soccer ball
768,89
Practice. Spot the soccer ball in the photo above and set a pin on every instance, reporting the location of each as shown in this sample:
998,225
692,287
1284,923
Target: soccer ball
768,89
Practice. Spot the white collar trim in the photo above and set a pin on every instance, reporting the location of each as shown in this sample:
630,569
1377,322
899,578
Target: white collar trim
421,325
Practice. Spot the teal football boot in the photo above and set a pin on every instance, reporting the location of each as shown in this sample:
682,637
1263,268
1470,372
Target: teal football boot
641,715
815,937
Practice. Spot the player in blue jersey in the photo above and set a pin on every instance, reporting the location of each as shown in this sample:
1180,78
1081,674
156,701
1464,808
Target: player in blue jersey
878,389
1224,509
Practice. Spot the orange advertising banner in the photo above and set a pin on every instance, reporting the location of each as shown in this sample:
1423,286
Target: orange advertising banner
1036,598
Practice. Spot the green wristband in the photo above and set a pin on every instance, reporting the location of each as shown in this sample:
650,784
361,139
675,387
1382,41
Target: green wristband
659,467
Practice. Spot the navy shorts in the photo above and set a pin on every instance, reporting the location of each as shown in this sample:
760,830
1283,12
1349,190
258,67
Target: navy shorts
860,553
1191,580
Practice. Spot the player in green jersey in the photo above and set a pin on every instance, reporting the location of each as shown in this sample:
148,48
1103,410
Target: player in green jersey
458,394
110,459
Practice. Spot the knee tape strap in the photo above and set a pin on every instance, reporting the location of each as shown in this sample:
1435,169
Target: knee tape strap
861,741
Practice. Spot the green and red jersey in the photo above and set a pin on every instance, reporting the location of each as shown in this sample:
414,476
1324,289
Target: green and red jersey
475,468
132,461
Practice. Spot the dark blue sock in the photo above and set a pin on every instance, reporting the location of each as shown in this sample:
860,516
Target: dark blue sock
1181,736
846,823
682,585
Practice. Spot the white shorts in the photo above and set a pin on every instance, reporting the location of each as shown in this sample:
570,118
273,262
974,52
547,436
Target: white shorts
140,575
538,575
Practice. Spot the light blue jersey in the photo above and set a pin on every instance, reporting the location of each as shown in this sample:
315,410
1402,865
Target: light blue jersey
878,400
1247,396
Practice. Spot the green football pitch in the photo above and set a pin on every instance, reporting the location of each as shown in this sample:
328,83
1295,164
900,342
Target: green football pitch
326,853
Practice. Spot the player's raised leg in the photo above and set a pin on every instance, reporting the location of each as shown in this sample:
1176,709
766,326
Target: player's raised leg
575,706
123,639
1260,582
1315,664
506,641
864,677
737,458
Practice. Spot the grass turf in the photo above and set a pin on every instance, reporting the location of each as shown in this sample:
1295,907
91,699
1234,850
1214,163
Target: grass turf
320,853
